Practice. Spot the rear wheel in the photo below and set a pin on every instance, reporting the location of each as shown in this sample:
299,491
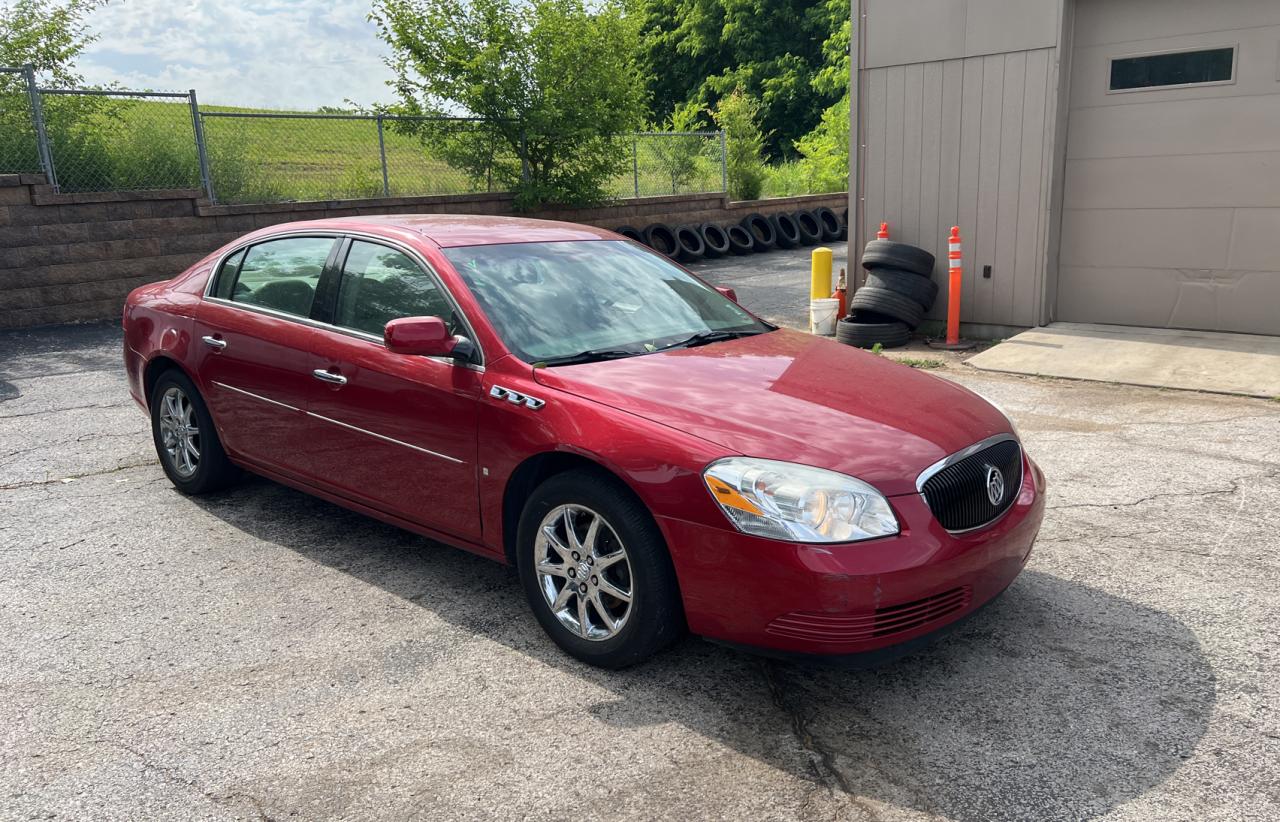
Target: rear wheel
188,446
596,572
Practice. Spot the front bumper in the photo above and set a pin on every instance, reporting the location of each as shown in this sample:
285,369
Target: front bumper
857,598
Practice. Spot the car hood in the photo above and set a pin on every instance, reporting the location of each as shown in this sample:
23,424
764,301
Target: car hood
790,396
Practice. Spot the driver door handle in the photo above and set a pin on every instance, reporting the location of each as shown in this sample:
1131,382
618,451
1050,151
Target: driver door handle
329,377
214,342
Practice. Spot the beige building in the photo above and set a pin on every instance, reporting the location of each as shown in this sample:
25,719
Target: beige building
1108,161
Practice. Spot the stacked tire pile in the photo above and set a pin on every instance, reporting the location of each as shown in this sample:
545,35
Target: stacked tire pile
898,292
753,234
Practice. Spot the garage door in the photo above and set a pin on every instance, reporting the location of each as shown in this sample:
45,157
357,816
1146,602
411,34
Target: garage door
1171,213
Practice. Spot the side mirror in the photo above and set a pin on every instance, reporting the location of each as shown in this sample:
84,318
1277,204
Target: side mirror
725,291
425,336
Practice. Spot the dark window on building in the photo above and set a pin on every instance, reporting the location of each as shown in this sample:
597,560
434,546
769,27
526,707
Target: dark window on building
1183,68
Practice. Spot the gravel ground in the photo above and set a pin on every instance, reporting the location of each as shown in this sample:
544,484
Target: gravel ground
262,654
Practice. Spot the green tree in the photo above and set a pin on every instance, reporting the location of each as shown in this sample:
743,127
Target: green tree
48,34
825,149
702,50
554,82
738,114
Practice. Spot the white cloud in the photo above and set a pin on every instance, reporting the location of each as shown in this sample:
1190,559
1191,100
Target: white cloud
296,54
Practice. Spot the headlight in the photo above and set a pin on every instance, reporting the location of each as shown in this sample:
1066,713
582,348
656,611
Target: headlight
782,500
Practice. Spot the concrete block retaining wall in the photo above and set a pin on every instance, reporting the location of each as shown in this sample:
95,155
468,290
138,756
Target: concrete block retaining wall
73,257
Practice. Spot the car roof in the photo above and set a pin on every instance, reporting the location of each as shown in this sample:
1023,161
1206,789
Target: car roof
452,230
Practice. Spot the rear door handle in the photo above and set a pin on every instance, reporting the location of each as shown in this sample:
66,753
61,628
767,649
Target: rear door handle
329,376
214,342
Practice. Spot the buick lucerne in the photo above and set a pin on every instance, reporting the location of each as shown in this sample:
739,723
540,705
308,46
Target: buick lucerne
652,457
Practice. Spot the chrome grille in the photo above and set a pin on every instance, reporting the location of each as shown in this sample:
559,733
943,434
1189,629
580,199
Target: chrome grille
957,489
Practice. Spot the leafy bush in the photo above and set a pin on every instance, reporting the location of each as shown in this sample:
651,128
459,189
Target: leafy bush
738,115
826,151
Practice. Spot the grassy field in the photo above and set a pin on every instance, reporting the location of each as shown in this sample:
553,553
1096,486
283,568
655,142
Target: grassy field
124,144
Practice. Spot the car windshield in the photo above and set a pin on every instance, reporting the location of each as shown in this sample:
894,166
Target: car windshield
563,302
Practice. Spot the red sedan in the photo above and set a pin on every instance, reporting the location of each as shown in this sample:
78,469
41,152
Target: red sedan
650,455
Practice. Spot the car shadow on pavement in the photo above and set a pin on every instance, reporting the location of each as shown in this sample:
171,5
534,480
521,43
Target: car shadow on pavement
1059,701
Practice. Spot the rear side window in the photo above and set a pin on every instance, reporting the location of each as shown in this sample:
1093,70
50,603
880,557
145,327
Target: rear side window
279,274
380,284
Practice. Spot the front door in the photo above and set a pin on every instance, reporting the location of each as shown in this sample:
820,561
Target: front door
254,352
395,432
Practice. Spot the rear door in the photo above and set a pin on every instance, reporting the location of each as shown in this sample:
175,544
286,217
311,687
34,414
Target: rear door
396,432
254,333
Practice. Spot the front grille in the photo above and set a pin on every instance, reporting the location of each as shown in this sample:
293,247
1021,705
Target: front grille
817,626
958,494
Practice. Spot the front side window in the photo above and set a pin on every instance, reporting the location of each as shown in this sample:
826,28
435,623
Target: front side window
568,300
380,284
279,274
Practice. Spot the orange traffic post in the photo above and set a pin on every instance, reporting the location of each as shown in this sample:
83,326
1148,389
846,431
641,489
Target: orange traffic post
953,290
883,233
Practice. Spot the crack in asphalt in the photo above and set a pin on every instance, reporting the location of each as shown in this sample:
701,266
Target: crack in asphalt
821,760
1234,488
63,410
172,776
59,480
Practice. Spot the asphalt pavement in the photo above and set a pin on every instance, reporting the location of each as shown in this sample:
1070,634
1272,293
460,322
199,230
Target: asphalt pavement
260,654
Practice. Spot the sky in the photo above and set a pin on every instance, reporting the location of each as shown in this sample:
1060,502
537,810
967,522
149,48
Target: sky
293,54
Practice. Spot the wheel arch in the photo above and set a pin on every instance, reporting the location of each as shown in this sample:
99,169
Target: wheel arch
534,471
156,366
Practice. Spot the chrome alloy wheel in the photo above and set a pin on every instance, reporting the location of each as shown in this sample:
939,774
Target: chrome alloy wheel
179,432
583,572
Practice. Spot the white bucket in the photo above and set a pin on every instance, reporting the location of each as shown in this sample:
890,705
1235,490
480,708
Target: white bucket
822,316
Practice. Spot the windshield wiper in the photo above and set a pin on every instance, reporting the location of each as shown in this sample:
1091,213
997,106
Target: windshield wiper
590,355
706,337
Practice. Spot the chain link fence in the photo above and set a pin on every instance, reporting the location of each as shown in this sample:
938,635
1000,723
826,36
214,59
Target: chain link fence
113,140
662,162
121,141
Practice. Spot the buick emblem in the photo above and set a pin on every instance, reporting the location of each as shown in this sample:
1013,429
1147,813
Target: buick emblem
995,484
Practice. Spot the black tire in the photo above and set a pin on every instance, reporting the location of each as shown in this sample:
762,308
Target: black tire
844,224
714,239
212,470
830,223
888,303
862,334
784,226
810,227
763,235
662,239
656,618
888,254
740,240
630,232
921,289
689,244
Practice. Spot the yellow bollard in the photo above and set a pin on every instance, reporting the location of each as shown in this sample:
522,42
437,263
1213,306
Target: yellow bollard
820,274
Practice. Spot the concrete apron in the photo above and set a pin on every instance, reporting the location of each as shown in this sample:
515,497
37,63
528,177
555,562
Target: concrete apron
1244,364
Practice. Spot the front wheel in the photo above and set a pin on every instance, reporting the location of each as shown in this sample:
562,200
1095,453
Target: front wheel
596,571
